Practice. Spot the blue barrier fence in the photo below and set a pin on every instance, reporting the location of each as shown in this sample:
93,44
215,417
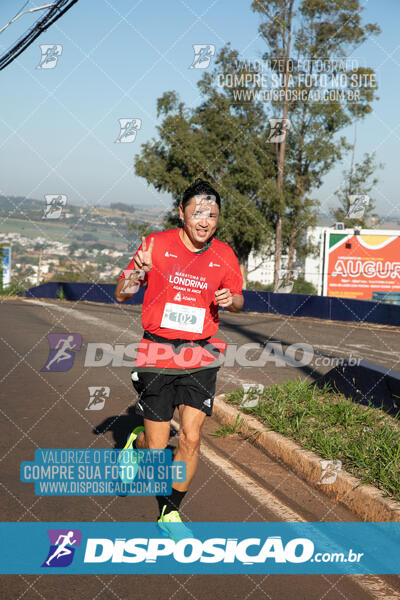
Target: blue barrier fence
298,305
92,292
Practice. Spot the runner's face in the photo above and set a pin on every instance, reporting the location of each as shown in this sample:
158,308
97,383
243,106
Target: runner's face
200,218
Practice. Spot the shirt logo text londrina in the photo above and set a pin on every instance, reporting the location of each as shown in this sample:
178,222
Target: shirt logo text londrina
186,281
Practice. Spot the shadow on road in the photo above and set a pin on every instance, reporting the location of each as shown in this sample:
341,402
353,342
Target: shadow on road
122,425
263,339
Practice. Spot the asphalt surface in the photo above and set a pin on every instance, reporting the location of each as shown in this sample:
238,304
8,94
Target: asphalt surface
234,482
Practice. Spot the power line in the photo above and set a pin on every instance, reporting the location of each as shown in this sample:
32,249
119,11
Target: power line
24,12
55,11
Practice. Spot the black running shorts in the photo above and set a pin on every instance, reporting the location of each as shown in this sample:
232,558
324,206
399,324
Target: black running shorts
159,393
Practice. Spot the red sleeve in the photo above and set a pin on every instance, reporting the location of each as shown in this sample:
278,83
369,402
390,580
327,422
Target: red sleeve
232,278
131,267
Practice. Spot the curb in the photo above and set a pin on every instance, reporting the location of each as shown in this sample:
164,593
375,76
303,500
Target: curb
363,499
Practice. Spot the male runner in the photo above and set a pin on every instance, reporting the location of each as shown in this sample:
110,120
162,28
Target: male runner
189,274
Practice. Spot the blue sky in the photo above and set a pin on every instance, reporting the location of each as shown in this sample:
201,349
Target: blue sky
58,126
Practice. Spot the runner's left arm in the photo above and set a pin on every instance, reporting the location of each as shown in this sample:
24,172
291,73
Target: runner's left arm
230,294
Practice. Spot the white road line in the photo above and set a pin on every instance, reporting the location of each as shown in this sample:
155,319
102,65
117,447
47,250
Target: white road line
251,487
374,585
81,316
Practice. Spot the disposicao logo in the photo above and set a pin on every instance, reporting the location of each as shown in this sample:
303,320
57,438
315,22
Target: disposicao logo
62,547
191,550
62,351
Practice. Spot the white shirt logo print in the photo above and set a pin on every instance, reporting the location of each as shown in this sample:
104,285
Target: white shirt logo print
169,255
213,265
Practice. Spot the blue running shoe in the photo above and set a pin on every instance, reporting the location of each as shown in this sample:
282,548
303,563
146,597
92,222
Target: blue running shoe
172,526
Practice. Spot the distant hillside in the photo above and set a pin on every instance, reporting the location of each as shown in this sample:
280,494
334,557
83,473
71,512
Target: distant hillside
13,203
9,202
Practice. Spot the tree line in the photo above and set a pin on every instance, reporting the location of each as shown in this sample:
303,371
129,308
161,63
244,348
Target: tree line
267,156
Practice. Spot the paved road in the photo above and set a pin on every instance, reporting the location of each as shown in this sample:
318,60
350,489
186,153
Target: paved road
235,481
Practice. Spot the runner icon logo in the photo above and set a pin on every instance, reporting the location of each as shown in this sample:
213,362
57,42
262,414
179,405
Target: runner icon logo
357,205
279,128
62,351
202,55
128,130
178,297
50,55
97,397
329,471
54,206
63,543
252,393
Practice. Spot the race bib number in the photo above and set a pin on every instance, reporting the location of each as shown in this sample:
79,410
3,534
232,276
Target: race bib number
183,318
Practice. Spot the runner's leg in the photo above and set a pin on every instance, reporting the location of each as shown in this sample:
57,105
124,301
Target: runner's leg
191,422
155,435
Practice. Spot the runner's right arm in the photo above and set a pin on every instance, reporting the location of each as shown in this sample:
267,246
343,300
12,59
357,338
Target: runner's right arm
138,278
136,272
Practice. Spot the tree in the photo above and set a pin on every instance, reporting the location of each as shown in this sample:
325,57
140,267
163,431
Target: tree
75,273
358,179
298,34
221,141
121,206
139,229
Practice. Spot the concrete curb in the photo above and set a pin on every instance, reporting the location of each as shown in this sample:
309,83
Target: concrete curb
364,500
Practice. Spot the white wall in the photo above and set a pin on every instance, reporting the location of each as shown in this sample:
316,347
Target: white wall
313,264
265,273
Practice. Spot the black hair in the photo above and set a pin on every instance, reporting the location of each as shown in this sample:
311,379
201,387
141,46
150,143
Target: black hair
199,187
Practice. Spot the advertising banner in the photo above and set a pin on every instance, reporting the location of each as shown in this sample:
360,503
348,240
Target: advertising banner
5,254
356,266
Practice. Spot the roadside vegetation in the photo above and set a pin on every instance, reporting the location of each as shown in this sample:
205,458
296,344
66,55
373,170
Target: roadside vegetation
364,438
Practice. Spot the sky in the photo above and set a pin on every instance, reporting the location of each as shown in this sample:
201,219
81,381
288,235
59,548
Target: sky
59,126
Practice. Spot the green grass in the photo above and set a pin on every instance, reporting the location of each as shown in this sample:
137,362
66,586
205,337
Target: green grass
225,430
57,230
365,439
60,293
12,290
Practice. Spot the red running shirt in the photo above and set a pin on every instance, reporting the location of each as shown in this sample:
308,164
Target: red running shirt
179,301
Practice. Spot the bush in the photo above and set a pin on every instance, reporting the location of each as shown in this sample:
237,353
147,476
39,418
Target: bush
13,289
301,286
258,286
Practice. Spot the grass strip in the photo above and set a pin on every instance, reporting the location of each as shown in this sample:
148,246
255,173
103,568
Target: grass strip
364,438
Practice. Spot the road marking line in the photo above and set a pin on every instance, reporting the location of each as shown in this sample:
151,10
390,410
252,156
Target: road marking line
376,587
73,312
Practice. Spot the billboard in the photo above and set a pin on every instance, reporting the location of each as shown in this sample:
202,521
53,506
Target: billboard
5,257
356,266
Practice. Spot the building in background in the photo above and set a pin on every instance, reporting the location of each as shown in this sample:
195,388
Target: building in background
261,267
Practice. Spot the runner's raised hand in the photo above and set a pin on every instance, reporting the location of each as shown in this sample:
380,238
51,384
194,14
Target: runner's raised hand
143,257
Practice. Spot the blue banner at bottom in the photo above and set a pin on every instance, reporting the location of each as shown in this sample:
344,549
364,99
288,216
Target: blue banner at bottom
208,548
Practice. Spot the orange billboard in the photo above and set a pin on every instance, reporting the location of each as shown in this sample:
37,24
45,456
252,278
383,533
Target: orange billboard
355,266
